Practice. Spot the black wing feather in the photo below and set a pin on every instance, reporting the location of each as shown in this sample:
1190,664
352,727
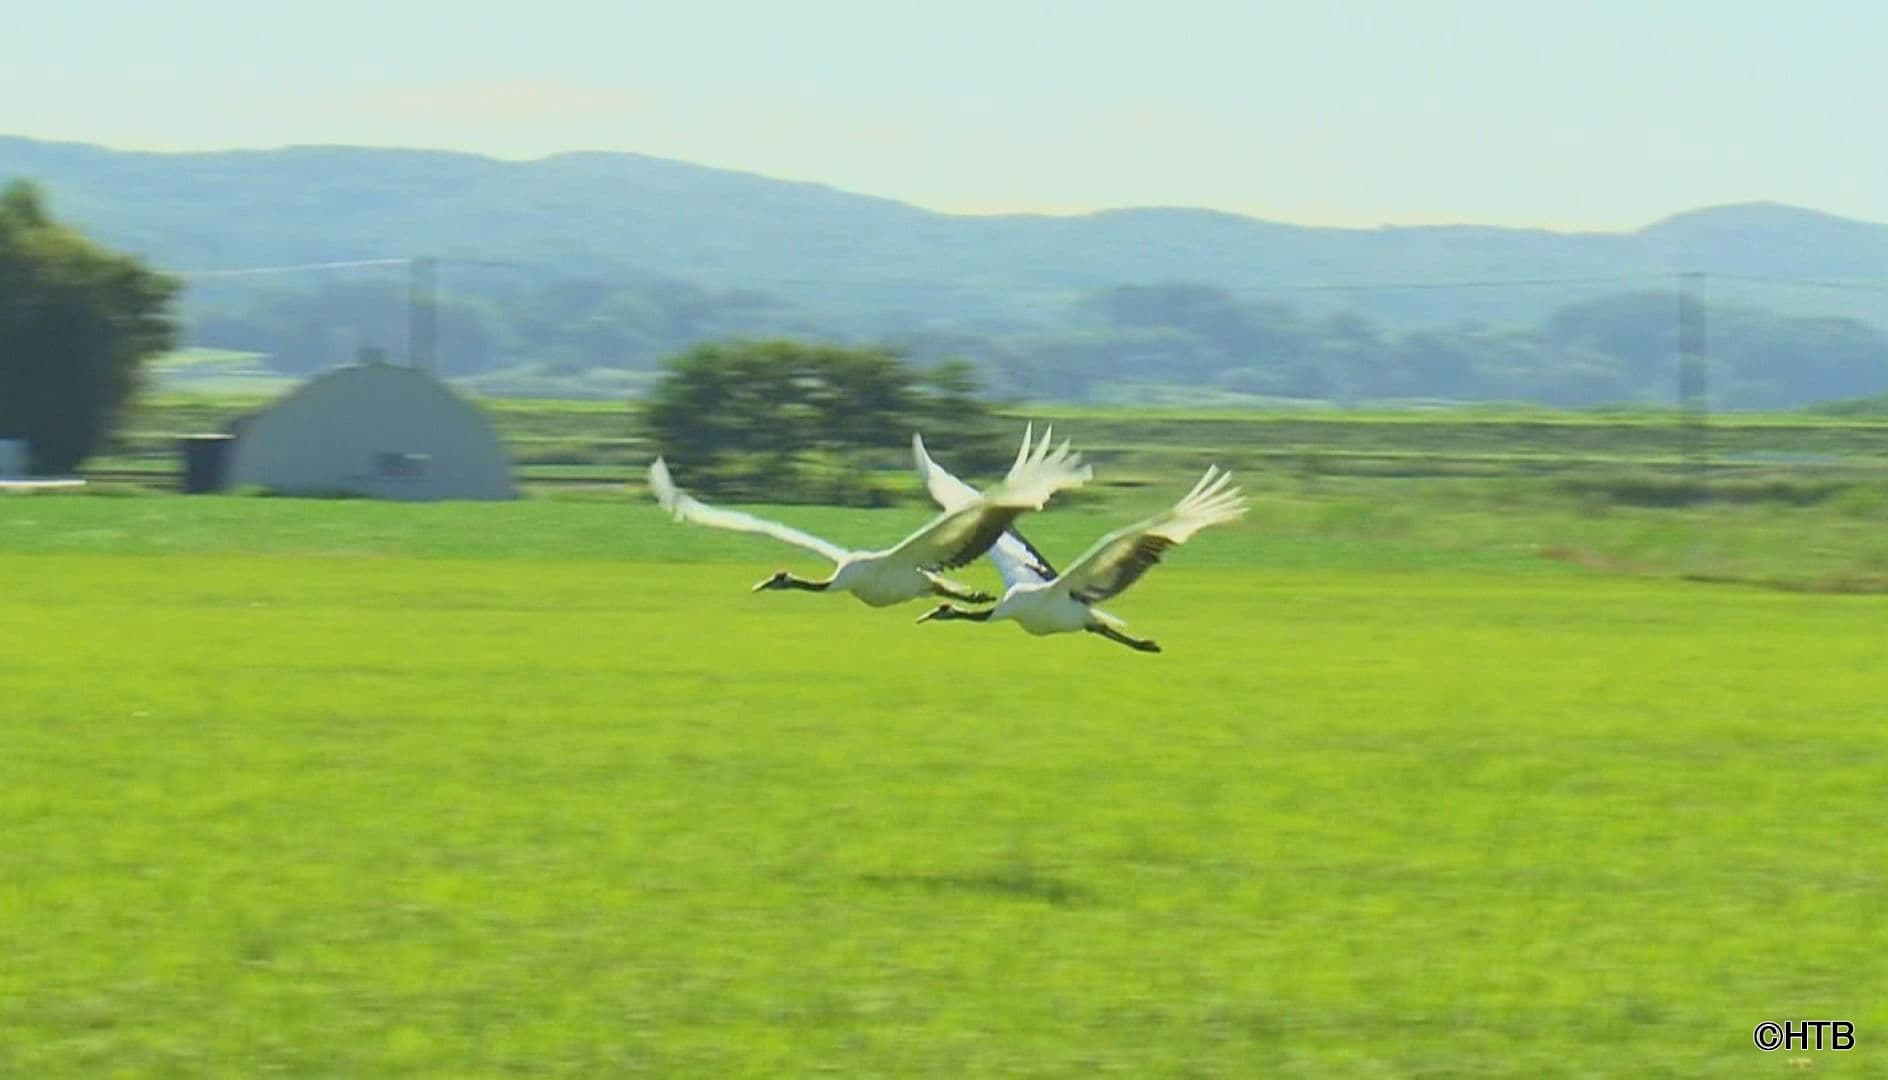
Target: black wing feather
1147,552
1038,563
992,523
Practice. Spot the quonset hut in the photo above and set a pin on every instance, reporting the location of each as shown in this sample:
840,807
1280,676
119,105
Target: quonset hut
373,429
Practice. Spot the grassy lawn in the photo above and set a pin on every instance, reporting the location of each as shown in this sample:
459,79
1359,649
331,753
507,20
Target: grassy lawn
347,788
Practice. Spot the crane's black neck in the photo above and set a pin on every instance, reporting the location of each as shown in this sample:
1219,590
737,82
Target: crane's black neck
784,580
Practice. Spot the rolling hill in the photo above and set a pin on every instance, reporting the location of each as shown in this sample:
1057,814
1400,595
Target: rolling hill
727,252
837,252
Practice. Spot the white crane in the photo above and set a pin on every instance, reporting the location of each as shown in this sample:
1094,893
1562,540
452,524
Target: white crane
953,539
1043,602
950,493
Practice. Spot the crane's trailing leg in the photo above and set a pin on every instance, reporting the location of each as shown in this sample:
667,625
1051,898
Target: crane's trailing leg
1137,644
971,597
951,590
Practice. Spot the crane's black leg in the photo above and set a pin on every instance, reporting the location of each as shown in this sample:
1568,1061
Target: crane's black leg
973,597
949,589
1137,644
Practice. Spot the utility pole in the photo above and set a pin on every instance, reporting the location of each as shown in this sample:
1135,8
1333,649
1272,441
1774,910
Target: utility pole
1694,404
422,299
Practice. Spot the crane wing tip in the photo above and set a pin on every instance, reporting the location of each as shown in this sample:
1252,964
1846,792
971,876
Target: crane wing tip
662,486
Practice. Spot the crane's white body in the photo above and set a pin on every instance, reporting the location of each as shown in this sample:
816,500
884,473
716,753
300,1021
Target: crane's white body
880,581
910,568
1042,609
1043,602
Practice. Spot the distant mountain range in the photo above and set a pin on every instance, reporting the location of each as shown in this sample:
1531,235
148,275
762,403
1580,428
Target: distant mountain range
856,257
776,256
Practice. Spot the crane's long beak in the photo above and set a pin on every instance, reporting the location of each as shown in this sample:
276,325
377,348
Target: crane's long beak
937,612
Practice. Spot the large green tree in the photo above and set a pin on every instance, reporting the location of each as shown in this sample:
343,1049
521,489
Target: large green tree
787,421
77,323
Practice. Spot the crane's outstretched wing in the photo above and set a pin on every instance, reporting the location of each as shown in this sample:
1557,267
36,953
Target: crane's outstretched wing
1016,559
685,507
946,490
1119,559
1040,472
963,533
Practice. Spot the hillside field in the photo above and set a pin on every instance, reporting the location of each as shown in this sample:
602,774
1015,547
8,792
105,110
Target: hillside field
349,788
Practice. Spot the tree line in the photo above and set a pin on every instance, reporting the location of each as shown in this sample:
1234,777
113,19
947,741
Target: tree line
1618,349
1114,344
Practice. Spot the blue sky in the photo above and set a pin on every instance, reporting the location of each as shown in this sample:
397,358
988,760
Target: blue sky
1595,114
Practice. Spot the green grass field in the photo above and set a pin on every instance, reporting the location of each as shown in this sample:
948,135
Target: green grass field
343,788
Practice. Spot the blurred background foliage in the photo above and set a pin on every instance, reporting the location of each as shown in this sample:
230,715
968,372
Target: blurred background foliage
785,421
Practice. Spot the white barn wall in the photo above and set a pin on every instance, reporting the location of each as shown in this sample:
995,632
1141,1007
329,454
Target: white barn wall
347,431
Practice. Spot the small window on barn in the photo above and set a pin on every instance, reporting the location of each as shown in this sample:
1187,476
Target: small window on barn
391,465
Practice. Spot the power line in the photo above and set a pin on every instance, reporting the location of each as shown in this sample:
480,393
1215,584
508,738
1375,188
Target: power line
1812,283
1485,283
1305,287
349,264
249,271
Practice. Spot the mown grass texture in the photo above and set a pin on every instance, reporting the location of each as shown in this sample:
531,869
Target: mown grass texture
367,790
